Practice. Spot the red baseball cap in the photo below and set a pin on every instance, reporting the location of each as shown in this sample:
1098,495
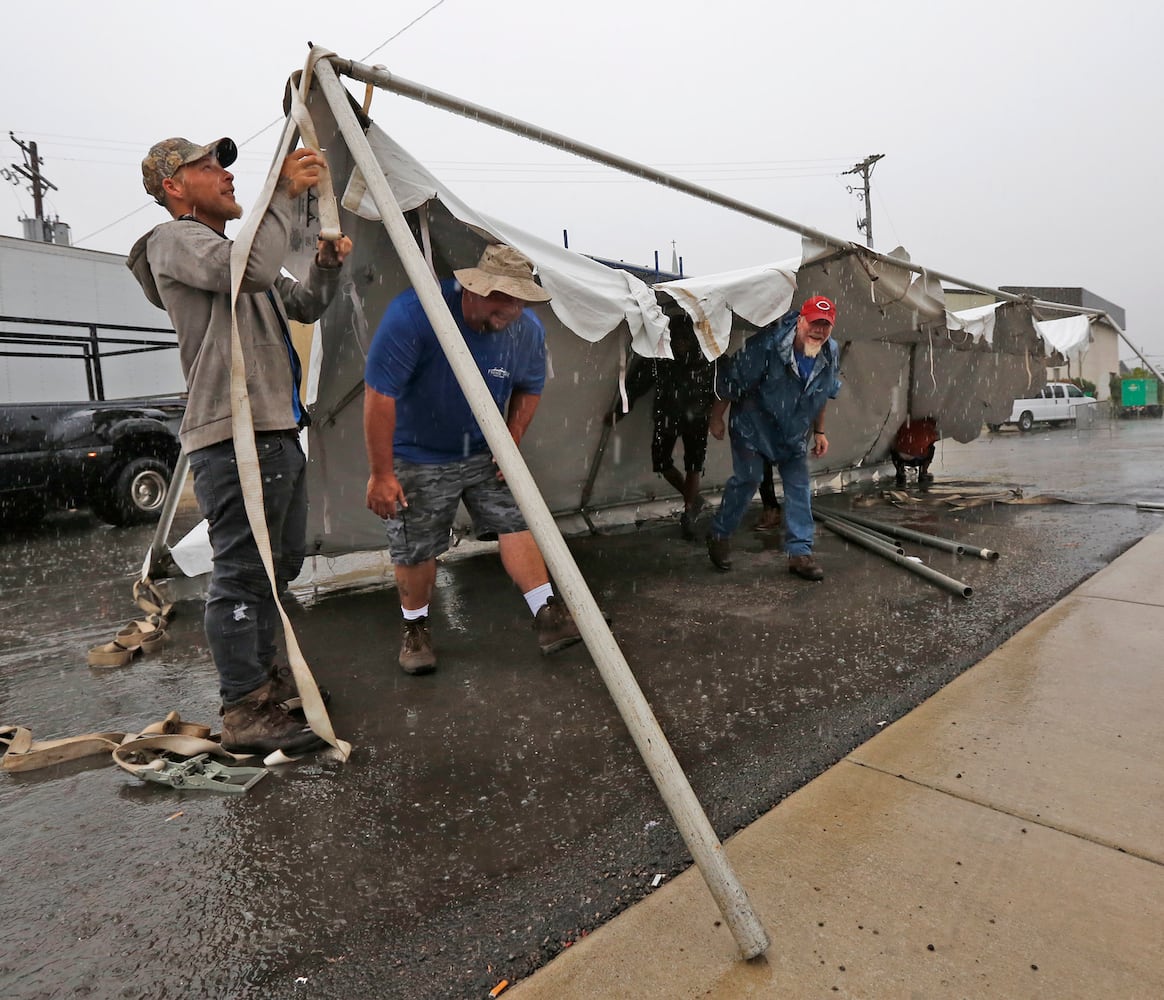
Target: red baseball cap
818,307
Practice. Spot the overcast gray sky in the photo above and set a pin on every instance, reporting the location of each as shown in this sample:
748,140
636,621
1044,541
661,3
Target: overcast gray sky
1022,139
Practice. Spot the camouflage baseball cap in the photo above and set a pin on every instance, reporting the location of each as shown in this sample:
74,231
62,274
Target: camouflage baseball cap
167,157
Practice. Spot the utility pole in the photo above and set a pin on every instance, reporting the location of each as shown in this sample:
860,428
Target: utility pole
31,171
865,169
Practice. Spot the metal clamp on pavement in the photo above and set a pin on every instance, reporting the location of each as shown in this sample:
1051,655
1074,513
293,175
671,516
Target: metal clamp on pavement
203,774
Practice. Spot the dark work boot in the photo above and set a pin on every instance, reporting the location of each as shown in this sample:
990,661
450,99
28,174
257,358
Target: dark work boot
924,476
769,520
688,518
555,627
719,550
805,567
416,653
257,724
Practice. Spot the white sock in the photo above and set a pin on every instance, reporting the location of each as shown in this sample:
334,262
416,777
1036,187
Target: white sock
411,616
536,598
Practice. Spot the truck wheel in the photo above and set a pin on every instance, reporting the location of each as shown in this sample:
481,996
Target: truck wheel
1026,421
136,493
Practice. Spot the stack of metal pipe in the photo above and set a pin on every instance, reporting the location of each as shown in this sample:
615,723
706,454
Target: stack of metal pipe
884,539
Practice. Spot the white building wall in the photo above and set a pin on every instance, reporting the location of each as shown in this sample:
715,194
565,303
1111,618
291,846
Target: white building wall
45,281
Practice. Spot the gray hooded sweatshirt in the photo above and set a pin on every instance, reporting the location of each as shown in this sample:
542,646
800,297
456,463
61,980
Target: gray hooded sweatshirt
184,267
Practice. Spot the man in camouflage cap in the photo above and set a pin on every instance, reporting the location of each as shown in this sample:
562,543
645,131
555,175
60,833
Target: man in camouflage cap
184,267
167,157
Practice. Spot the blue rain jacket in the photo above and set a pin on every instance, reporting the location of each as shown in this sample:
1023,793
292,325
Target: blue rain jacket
772,407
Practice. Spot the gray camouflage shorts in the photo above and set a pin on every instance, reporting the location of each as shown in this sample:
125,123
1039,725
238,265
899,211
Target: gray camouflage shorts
421,530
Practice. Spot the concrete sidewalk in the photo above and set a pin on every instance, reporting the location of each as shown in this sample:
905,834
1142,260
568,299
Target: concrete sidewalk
1004,839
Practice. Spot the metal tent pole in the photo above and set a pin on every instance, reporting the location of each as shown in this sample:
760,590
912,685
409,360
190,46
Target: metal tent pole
696,830
1147,364
169,509
467,109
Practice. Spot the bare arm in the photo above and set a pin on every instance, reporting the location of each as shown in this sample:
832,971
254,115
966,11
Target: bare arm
384,492
715,421
521,411
820,443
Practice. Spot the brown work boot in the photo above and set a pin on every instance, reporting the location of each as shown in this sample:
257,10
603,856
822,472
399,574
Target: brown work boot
285,693
769,520
805,567
555,627
719,550
416,653
257,724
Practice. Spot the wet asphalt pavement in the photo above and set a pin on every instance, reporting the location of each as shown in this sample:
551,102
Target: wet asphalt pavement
496,811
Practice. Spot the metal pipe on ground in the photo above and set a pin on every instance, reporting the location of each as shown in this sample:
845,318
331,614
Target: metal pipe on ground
921,537
878,548
854,534
879,535
706,850
827,520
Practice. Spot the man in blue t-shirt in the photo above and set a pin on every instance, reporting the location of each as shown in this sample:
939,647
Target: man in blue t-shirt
426,452
779,384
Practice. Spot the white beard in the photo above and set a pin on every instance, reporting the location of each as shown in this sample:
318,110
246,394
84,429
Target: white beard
812,348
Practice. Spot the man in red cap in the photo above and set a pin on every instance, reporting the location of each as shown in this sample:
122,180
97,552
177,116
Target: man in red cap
780,382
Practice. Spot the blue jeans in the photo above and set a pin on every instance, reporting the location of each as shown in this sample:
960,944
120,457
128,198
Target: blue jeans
747,472
241,614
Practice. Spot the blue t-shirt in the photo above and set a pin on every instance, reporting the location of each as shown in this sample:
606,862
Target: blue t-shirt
434,422
804,365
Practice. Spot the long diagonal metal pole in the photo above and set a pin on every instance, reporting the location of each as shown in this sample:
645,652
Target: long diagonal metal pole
382,78
696,830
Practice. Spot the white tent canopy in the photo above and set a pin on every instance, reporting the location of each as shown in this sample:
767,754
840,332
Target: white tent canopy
1068,336
589,298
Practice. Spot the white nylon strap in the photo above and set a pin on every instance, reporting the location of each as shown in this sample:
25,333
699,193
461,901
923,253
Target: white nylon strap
328,209
622,381
246,451
426,239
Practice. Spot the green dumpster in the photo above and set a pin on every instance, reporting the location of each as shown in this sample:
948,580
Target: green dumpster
1139,392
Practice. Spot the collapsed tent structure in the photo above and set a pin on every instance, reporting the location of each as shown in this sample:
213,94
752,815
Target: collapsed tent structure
903,353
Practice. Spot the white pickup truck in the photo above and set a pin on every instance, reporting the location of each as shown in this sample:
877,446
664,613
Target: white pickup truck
1057,403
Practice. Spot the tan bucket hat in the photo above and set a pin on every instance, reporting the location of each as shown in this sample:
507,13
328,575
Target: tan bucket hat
503,269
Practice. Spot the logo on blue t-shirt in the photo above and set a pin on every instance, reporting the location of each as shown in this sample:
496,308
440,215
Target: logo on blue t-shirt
498,373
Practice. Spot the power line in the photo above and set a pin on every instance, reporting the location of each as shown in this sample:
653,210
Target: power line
97,232
251,138
393,38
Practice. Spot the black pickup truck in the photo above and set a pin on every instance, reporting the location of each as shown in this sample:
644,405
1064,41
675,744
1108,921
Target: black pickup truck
115,457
